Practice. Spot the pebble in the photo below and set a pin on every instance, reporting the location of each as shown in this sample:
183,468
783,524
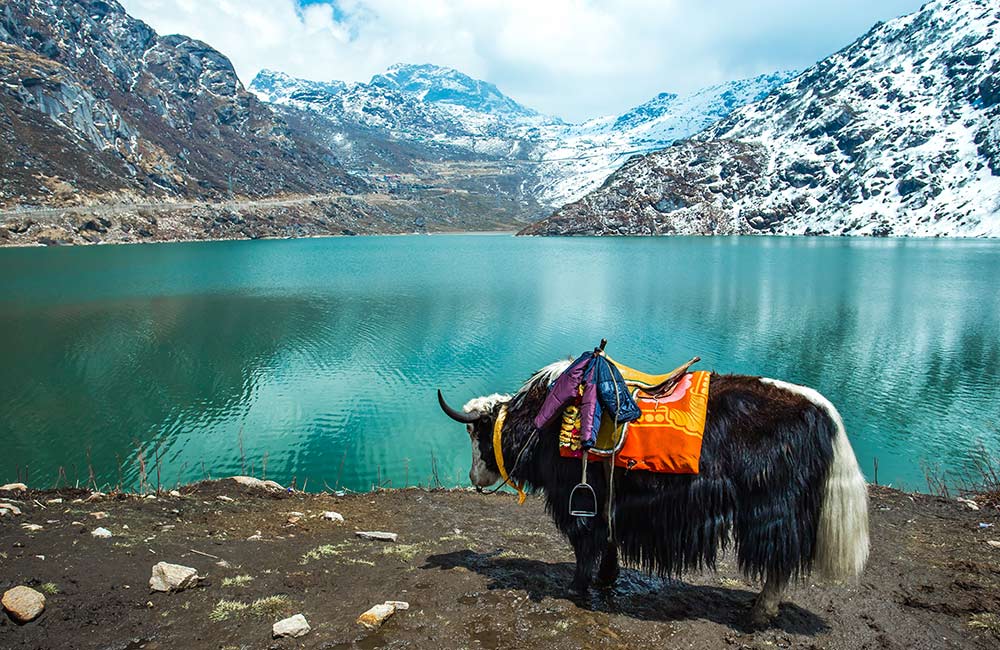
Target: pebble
23,604
102,533
31,527
14,487
14,510
333,516
994,543
376,535
172,577
223,497
55,501
376,615
99,515
293,626
174,493
969,503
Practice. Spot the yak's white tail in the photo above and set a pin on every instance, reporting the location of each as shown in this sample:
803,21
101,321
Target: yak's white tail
842,536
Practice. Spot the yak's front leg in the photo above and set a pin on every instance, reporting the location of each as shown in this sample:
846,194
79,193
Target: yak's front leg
607,573
586,554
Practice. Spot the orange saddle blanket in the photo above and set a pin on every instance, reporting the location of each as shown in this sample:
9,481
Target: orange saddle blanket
666,438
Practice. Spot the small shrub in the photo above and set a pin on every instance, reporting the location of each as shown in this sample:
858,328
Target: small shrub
237,581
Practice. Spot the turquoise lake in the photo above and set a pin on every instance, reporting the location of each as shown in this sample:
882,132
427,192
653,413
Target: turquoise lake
321,357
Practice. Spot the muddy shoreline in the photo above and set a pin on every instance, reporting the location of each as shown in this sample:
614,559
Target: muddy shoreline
478,572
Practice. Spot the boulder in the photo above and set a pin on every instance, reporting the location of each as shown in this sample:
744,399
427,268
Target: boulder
293,626
172,577
23,604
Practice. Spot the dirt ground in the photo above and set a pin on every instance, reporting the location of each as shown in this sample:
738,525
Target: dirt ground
478,572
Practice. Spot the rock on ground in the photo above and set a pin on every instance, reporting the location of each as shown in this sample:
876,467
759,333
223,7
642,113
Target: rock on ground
376,615
333,516
23,604
376,535
250,481
293,626
14,487
172,577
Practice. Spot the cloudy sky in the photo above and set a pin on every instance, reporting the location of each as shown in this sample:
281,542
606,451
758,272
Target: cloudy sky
572,58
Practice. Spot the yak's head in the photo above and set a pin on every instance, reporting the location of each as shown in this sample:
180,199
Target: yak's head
480,414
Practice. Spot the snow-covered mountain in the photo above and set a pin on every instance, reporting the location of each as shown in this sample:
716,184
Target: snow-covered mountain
433,105
436,85
896,134
426,104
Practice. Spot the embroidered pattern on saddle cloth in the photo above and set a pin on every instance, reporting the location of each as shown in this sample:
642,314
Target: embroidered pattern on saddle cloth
667,437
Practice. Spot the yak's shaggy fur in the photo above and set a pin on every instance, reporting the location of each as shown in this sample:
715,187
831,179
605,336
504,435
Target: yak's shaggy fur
778,480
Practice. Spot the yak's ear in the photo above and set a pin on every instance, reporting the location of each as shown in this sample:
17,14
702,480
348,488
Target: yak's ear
457,416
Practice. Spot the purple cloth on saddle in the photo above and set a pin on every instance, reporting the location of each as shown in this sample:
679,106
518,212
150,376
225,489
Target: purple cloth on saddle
564,391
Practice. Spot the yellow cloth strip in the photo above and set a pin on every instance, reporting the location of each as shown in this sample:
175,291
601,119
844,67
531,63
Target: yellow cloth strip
498,454
636,378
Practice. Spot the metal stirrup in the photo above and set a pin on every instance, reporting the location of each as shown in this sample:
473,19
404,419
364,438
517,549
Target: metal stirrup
579,490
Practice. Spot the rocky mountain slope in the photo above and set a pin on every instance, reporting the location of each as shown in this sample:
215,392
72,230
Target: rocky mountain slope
97,105
897,134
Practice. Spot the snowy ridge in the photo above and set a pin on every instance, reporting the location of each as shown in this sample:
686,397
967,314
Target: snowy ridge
436,105
580,157
897,134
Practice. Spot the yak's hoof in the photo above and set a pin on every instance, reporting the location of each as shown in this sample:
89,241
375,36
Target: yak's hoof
762,614
581,587
606,582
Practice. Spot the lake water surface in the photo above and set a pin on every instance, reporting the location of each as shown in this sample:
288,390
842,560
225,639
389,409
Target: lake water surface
323,355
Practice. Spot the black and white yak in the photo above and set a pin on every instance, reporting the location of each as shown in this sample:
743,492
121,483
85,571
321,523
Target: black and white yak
778,480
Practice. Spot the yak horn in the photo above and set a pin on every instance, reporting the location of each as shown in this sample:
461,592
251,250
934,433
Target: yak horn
457,416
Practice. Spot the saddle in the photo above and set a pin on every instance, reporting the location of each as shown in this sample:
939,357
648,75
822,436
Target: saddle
644,386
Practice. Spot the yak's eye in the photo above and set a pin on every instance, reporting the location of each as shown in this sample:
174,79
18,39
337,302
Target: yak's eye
471,429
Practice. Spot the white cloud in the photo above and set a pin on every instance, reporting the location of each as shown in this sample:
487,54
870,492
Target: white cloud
572,58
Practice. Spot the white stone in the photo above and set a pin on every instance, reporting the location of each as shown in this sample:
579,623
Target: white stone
969,503
14,487
174,493
102,533
376,535
23,604
398,604
172,577
99,515
994,543
250,481
376,615
333,516
31,527
10,506
293,626
55,501
223,497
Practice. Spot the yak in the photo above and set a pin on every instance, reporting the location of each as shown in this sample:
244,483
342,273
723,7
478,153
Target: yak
778,481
